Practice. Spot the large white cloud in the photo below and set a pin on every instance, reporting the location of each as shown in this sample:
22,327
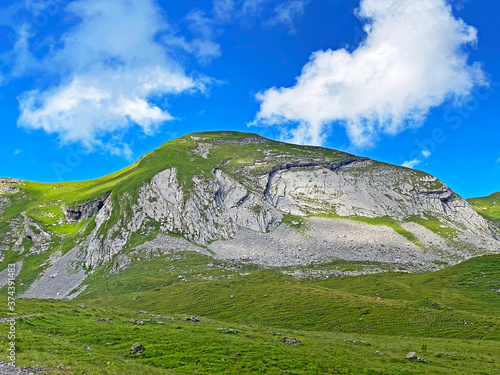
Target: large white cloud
111,74
412,59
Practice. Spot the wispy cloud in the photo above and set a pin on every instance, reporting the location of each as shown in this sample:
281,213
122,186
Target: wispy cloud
413,163
223,9
286,13
412,59
205,29
207,26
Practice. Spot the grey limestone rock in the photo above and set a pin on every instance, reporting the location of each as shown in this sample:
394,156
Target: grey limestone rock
137,348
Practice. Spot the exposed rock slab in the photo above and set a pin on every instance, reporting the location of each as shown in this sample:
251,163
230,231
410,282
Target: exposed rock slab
60,278
10,185
168,244
330,239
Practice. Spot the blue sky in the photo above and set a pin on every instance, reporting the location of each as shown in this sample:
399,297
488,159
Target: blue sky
89,86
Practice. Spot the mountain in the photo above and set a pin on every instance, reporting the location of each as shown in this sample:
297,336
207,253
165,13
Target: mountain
236,197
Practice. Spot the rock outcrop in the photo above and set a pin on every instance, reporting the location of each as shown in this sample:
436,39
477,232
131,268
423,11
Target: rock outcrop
9,185
85,210
370,189
37,238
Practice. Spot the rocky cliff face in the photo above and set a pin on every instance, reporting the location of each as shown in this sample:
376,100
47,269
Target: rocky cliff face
215,209
243,189
370,189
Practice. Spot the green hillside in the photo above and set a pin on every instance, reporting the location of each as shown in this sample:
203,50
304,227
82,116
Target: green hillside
488,207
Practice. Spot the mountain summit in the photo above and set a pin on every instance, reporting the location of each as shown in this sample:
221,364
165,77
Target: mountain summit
236,196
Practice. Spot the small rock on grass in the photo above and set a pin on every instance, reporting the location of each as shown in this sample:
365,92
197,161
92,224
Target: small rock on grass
287,340
229,330
137,348
359,342
411,355
86,347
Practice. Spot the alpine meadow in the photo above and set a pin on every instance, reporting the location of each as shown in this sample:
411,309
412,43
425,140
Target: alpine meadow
249,187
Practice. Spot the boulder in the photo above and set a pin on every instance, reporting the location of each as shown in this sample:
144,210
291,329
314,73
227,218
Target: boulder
411,355
137,348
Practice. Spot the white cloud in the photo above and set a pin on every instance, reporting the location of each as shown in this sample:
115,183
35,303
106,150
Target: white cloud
411,163
426,154
286,13
412,60
112,74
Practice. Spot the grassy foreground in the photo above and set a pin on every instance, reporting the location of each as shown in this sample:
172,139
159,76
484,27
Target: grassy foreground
55,338
450,317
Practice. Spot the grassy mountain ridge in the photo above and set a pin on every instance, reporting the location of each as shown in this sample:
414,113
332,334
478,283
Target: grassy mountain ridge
42,201
45,202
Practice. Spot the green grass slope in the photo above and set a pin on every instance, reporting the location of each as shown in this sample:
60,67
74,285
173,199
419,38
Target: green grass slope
488,207
450,317
54,342
441,304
